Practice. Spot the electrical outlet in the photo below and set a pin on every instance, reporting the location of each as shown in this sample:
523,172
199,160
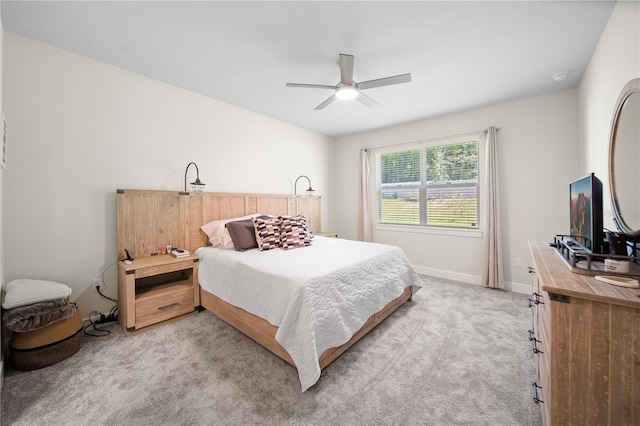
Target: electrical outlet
97,283
518,261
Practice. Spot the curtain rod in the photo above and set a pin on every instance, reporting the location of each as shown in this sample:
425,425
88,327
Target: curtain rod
432,140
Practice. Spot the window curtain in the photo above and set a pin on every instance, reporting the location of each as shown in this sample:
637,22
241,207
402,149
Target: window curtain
364,213
492,274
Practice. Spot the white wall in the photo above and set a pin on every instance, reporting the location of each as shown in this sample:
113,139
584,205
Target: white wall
81,129
615,62
538,156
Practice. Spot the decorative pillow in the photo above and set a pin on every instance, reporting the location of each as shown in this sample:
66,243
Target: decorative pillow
294,232
267,230
218,234
243,234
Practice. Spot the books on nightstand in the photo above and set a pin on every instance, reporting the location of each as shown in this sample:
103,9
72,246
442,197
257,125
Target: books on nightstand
179,253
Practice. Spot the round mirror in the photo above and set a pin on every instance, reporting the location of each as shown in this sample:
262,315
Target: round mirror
624,160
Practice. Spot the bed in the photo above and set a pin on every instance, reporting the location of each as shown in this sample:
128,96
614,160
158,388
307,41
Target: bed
313,299
321,299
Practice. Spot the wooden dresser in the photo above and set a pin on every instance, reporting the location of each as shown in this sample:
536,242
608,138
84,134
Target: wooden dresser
587,339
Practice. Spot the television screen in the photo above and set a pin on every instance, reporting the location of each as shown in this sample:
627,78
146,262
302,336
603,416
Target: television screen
586,213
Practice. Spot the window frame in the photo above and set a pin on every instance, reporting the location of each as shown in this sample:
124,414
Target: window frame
376,153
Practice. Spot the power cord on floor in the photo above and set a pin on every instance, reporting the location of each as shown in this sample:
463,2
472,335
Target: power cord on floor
94,325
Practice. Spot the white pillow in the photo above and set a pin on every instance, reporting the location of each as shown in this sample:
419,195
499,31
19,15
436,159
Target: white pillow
218,234
22,292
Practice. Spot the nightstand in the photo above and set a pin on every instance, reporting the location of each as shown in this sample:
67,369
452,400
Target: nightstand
326,234
155,290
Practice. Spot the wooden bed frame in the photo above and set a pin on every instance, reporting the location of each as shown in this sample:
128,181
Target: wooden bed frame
159,217
264,332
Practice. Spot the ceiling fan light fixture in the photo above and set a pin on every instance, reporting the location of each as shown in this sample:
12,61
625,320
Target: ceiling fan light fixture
346,92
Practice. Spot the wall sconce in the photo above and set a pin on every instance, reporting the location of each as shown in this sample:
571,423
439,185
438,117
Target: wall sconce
196,186
310,190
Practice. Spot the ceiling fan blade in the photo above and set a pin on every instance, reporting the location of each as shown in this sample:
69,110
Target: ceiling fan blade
367,100
311,86
346,69
327,102
387,81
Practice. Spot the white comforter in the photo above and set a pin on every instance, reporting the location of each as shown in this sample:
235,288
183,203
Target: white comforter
318,296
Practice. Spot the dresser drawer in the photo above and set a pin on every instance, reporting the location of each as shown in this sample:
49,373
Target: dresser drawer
172,304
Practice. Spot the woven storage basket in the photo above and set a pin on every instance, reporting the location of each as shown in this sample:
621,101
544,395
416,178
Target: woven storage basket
48,345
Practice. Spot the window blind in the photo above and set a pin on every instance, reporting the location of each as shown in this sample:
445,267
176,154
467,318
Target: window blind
435,185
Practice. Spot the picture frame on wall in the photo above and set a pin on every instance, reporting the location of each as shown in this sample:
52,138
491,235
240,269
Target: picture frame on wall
3,159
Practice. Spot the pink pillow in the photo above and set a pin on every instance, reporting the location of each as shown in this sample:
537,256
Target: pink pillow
218,234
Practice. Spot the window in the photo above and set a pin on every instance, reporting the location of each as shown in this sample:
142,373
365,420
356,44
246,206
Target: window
432,184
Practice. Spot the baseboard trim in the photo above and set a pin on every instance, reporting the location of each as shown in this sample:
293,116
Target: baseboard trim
518,287
470,279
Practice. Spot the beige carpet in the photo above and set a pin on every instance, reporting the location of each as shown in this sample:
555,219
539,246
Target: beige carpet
457,355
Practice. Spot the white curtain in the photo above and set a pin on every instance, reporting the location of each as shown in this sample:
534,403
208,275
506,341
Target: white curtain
492,273
364,219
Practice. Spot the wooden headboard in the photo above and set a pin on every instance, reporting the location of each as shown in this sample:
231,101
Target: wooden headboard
147,220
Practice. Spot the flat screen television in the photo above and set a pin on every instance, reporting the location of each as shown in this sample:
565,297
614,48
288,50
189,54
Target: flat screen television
586,213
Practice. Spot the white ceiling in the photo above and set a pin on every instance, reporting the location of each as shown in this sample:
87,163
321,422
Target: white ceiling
462,55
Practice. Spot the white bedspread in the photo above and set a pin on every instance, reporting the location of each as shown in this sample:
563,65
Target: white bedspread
318,296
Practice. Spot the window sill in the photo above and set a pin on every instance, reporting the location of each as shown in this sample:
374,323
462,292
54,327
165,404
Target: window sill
418,229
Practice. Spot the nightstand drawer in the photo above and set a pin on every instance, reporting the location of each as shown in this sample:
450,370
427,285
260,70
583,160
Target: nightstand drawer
152,310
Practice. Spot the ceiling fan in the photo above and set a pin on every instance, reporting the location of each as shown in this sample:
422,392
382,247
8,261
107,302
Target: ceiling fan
349,89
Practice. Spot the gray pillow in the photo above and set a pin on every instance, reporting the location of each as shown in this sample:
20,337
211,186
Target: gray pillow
243,234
